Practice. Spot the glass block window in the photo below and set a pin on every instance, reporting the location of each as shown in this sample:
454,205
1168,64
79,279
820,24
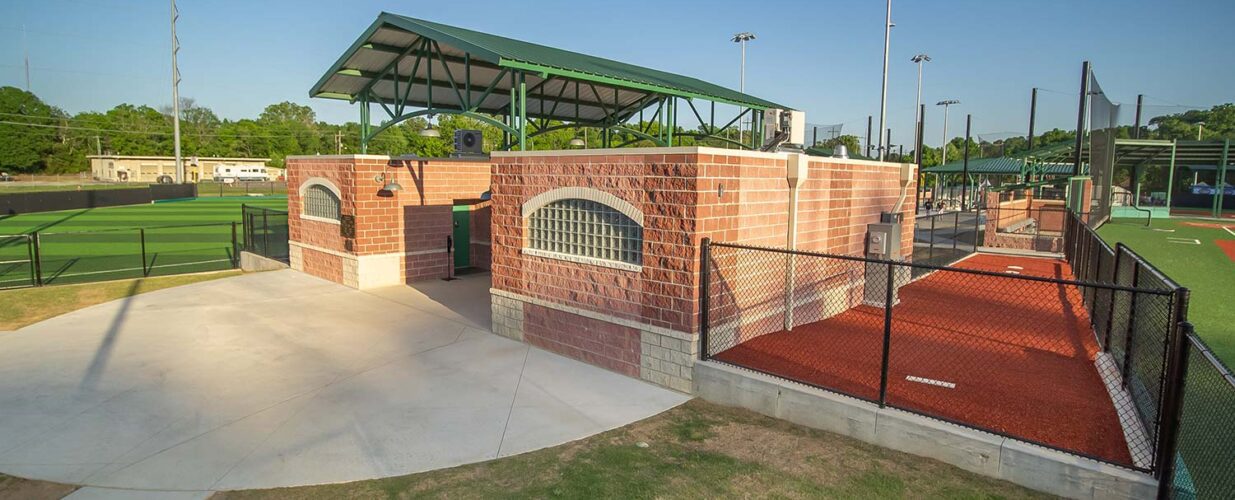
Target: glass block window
586,228
320,201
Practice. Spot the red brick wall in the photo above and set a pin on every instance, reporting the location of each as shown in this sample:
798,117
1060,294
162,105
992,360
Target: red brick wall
732,197
600,343
415,220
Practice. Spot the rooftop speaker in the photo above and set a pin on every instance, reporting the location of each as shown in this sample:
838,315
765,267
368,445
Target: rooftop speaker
840,151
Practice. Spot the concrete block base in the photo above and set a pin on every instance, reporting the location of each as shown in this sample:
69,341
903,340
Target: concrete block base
995,456
251,262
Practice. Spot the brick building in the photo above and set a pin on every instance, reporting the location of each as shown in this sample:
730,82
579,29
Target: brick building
345,228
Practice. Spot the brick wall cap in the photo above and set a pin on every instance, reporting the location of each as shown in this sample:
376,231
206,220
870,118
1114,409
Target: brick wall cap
338,157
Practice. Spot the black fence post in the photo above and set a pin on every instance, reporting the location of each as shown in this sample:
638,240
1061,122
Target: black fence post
1136,271
38,258
705,295
141,233
235,248
930,252
30,256
956,227
1176,374
977,216
266,233
1110,314
887,338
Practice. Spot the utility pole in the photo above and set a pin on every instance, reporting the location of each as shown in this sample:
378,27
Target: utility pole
1033,114
741,39
883,95
98,146
1200,127
25,47
338,142
945,103
176,97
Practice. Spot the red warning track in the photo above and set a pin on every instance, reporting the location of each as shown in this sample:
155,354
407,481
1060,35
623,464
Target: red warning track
1020,353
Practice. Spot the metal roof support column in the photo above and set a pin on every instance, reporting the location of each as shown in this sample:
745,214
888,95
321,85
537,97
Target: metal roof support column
673,119
364,123
522,112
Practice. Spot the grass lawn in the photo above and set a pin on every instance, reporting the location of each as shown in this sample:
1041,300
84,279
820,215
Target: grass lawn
27,306
1205,269
12,488
106,243
698,450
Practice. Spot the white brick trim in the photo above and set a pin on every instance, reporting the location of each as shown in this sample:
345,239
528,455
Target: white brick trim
581,259
320,181
584,193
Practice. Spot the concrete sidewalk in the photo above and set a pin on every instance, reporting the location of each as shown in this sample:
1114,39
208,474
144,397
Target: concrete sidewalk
281,379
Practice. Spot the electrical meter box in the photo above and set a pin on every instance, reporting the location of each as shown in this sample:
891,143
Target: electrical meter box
883,240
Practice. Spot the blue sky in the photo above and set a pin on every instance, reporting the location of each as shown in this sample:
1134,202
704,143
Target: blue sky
823,57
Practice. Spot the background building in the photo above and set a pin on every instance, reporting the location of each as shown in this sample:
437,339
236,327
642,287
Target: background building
147,169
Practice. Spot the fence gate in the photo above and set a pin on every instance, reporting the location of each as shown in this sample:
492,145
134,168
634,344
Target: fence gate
266,232
17,262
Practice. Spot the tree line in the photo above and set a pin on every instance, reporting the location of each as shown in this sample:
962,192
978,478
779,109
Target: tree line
37,137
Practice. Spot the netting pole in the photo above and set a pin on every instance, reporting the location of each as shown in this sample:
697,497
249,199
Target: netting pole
38,258
887,338
1080,118
141,234
705,295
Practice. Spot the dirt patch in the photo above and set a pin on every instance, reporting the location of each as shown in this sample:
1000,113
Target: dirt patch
1207,225
1228,248
13,488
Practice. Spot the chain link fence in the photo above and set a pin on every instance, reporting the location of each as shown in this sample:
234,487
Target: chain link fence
1022,348
241,188
58,258
265,232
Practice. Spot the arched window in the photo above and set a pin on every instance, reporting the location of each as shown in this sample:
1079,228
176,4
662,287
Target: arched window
319,201
585,228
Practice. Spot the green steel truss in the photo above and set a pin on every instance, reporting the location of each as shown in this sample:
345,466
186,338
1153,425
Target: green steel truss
407,68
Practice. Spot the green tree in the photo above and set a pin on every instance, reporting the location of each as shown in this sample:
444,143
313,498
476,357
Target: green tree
25,148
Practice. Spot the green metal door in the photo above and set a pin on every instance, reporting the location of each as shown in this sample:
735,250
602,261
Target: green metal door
462,236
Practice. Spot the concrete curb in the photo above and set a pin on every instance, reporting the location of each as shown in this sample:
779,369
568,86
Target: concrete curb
980,452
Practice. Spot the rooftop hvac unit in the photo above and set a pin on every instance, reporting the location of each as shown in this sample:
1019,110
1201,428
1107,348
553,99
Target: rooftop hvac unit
784,129
469,143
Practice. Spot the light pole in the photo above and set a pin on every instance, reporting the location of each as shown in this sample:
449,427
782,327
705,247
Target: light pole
741,39
919,59
883,95
1200,126
945,103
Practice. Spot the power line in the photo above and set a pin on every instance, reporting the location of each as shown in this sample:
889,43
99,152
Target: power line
139,132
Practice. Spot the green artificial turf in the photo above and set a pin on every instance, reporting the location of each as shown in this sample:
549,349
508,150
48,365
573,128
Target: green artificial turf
1204,269
78,246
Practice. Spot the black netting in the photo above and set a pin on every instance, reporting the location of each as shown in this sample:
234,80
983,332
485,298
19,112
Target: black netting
265,232
1203,467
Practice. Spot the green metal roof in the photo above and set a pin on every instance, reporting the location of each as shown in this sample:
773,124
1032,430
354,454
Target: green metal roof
553,75
998,166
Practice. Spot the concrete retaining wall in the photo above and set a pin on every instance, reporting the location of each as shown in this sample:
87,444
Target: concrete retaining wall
980,452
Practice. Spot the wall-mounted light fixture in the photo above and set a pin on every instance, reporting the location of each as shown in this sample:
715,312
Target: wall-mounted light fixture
389,184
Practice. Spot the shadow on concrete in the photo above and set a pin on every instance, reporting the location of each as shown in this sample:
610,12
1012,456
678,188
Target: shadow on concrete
101,355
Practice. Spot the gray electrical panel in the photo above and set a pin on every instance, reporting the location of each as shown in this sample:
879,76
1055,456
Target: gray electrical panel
883,240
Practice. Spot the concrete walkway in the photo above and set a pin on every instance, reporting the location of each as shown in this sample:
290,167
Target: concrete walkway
281,379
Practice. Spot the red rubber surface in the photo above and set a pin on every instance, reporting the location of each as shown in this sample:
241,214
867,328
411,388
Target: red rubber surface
1020,353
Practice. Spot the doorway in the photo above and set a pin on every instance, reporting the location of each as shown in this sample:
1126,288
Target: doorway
462,236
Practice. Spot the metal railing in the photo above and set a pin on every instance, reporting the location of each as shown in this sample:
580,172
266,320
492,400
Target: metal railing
55,258
265,232
1010,354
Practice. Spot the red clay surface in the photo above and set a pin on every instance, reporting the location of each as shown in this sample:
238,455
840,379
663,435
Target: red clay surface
1020,353
1228,247
1209,225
